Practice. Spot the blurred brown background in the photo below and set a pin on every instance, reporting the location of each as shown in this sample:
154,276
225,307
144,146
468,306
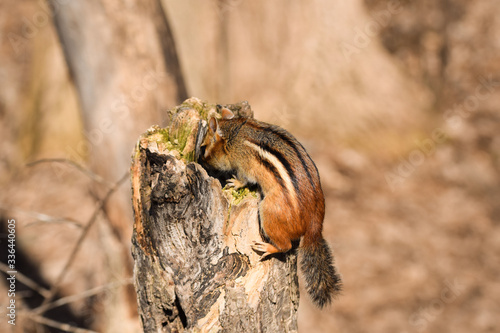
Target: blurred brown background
396,101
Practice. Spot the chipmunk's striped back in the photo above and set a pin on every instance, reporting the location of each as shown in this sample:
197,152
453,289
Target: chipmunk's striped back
292,203
283,157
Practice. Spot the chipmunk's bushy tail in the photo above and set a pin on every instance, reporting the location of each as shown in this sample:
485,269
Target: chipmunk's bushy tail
322,281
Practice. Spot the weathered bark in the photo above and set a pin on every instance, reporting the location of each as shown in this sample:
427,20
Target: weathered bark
194,268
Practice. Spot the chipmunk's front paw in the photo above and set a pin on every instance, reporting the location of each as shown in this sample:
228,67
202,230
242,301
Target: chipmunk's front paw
235,183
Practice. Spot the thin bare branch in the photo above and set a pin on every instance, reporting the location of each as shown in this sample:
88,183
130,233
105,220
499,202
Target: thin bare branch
61,220
43,218
26,281
87,293
90,174
90,223
56,324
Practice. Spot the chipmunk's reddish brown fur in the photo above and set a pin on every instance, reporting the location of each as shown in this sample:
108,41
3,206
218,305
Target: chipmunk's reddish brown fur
292,205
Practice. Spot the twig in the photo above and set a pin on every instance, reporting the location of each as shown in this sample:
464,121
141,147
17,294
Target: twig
43,218
26,281
90,174
56,324
85,231
87,293
61,220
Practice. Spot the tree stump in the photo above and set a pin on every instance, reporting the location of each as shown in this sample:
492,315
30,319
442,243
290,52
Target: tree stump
194,268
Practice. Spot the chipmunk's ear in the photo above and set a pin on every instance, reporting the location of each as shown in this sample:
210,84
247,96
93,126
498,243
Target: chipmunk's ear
213,125
227,114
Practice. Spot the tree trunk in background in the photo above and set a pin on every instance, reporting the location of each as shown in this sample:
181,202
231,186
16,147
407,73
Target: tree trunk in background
123,61
124,65
194,267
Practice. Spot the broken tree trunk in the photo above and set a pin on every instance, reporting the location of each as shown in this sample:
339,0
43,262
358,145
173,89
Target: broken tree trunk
194,268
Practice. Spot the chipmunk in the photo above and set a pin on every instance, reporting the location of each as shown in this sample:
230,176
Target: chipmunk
292,204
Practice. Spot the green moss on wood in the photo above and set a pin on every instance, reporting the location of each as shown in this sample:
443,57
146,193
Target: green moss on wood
179,137
238,195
